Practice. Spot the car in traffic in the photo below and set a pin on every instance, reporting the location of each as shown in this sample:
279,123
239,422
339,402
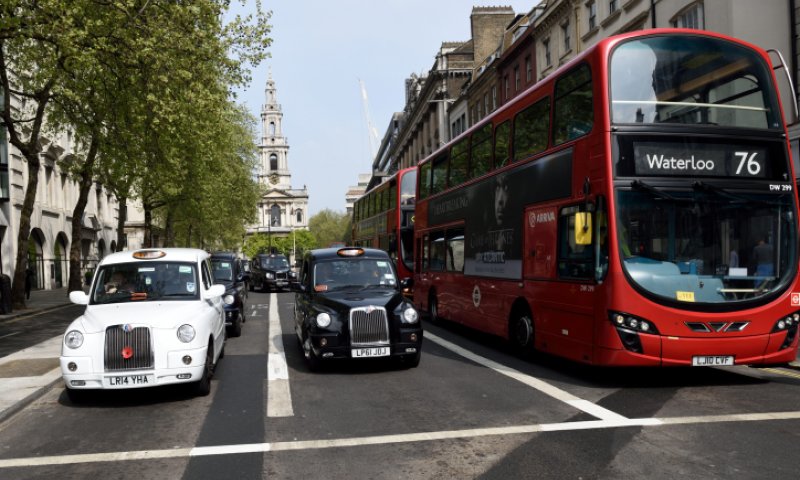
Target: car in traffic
153,317
271,272
227,269
349,305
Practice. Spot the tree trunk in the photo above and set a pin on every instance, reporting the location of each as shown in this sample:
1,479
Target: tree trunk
169,232
23,235
148,225
121,219
85,186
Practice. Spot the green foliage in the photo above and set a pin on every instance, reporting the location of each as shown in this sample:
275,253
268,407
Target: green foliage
298,242
329,226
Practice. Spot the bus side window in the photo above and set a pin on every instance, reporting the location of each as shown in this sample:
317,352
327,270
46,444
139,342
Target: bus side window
574,260
425,250
573,112
437,251
501,143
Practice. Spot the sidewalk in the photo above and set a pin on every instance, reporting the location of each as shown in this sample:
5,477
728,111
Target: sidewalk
27,374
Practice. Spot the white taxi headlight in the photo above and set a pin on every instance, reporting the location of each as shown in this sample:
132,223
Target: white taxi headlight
410,315
73,339
228,299
323,320
186,333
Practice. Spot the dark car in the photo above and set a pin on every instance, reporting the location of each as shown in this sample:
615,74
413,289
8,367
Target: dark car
227,270
270,272
349,305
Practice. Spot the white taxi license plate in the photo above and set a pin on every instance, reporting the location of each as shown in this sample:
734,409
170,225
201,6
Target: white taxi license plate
712,360
370,352
130,381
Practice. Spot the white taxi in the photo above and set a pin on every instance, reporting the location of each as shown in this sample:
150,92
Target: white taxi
153,317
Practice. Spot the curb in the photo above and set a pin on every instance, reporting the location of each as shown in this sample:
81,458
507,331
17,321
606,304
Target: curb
35,395
31,312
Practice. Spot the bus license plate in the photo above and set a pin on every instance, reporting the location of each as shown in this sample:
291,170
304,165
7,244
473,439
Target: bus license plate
129,381
370,352
712,360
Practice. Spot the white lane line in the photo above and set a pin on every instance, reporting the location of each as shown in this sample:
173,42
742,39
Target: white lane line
10,335
390,439
584,405
279,396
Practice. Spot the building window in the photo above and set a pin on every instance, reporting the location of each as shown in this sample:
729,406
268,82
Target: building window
273,163
271,129
486,104
565,34
506,87
494,97
528,69
691,17
546,46
299,217
516,79
275,216
591,9
612,6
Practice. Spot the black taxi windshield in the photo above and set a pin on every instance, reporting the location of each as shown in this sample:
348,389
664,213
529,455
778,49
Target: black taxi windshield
275,263
691,80
353,273
706,244
145,281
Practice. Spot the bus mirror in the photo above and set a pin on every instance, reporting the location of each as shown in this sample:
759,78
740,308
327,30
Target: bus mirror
583,228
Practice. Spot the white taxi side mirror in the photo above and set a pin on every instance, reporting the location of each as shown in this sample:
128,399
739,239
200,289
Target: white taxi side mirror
214,292
79,297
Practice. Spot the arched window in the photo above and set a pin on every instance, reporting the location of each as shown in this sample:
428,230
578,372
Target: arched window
299,216
271,129
273,163
275,216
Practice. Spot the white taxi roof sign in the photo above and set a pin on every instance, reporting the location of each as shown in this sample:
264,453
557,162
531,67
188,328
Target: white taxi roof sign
148,254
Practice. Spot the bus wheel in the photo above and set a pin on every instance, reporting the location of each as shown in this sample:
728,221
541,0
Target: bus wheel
433,309
521,333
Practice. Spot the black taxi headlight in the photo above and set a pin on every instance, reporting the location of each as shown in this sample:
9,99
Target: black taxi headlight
323,320
228,299
410,315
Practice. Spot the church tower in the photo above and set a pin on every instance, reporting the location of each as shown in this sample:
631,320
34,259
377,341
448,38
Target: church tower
282,209
274,146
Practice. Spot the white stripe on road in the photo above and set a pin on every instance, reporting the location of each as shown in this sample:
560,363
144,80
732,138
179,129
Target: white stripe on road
584,405
389,439
279,396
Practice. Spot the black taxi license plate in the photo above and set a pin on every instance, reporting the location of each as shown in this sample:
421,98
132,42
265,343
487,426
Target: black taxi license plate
370,352
130,380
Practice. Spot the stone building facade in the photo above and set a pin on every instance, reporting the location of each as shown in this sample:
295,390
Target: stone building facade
51,222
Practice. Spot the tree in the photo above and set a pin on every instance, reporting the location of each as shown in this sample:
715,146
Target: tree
296,242
144,71
329,226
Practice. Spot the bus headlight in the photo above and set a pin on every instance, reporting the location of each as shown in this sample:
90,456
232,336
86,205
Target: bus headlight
323,320
410,315
186,333
73,339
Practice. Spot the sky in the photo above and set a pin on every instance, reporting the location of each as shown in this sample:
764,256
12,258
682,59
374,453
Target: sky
320,50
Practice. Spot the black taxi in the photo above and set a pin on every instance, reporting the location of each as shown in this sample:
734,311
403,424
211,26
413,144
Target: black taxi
348,304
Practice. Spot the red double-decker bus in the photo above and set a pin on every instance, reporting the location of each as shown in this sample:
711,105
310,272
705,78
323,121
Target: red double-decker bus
384,218
636,207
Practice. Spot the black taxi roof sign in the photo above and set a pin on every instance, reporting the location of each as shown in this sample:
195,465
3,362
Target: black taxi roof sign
350,252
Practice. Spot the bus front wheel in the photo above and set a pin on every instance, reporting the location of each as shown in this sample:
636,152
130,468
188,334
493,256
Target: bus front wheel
521,333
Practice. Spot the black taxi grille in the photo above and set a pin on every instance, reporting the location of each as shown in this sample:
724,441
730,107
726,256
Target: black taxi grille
369,326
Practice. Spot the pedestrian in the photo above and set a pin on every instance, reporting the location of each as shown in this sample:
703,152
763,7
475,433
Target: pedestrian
29,277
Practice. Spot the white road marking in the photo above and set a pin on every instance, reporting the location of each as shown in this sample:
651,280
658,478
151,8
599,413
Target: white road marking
279,396
10,335
544,387
389,439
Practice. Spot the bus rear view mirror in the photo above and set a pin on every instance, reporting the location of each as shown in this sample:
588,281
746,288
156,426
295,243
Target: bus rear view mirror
583,228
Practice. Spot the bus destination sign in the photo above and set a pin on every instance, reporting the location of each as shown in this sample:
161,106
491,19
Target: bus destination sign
700,160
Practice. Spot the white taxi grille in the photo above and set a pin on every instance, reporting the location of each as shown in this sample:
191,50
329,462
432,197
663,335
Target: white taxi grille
128,348
369,326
